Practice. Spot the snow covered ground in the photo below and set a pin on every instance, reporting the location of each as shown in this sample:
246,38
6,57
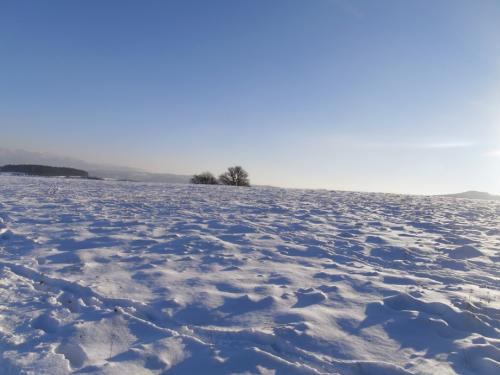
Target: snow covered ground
129,278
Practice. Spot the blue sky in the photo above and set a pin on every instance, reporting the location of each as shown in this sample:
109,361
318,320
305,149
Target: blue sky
396,96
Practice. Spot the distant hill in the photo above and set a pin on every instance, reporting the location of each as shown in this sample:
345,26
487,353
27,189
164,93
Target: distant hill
140,176
43,170
475,195
8,156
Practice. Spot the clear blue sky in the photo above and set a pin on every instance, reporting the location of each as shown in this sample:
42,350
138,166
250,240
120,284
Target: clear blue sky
397,96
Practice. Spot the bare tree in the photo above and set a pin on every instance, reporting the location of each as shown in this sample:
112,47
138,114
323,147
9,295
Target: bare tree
205,178
235,176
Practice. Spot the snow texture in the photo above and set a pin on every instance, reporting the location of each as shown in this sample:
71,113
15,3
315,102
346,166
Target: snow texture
100,277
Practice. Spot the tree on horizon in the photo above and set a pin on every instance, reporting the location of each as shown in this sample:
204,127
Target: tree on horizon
235,176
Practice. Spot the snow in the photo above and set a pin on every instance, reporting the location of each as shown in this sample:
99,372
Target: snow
102,277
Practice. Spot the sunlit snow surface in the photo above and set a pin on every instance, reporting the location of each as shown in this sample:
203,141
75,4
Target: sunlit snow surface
131,278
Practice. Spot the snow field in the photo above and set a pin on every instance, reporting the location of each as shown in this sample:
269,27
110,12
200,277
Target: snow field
130,278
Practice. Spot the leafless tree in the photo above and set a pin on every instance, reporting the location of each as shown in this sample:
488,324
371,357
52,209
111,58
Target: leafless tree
235,176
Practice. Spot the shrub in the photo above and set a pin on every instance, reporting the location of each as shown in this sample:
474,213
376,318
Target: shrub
205,178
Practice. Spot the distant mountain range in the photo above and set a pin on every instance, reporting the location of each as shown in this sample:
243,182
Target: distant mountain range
475,195
8,156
